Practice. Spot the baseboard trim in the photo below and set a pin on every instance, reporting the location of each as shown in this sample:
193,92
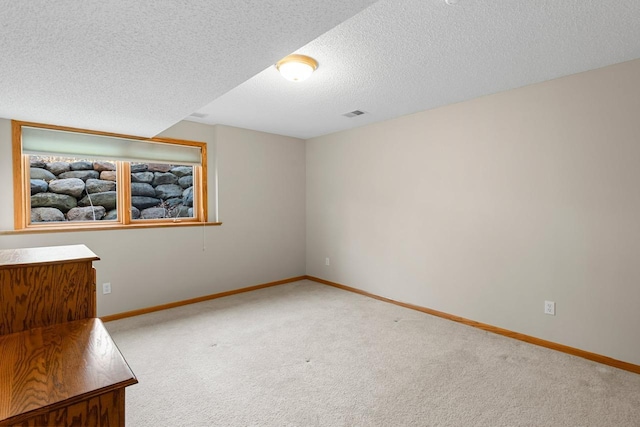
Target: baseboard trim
494,329
146,310
485,327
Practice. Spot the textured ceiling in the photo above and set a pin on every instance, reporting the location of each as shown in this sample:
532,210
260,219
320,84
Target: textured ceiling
138,67
402,56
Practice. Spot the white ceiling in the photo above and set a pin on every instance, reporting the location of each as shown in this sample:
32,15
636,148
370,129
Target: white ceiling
138,67
402,56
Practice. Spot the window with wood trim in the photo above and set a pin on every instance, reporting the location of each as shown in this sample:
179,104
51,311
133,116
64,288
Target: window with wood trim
70,178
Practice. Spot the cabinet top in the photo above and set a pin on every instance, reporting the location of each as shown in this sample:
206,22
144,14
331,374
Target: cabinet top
11,258
55,366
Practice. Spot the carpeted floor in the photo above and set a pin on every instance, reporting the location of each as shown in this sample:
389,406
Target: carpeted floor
306,354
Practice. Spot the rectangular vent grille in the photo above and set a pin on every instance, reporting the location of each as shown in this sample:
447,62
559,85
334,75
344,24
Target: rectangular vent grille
199,115
354,113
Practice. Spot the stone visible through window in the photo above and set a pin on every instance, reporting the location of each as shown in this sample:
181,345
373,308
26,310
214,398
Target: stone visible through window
66,190
161,191
70,189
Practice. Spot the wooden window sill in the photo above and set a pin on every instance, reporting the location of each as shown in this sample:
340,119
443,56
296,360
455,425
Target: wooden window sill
100,227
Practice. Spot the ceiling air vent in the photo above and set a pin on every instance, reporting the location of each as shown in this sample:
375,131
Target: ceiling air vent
199,115
354,113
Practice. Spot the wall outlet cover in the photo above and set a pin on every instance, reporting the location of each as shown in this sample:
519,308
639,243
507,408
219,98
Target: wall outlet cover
550,308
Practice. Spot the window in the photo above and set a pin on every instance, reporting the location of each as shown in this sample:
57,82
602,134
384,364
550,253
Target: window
69,178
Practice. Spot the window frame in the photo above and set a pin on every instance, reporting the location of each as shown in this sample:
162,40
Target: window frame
22,187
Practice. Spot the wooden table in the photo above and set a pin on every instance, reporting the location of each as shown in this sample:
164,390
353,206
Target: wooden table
68,374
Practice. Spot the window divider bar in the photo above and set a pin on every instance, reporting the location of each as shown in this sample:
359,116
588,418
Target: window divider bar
124,192
19,180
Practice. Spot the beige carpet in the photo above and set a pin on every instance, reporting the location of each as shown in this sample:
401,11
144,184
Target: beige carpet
306,354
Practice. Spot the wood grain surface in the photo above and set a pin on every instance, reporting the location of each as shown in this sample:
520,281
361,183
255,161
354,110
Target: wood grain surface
104,410
40,295
66,374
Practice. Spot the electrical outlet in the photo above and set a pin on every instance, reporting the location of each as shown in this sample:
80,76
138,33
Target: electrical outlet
106,288
550,308
326,261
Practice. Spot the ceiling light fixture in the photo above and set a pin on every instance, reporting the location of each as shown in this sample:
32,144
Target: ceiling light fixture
296,67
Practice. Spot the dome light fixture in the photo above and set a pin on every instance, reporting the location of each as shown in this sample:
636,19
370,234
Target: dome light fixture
296,67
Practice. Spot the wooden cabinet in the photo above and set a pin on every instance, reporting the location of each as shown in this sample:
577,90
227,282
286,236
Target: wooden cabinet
58,364
46,286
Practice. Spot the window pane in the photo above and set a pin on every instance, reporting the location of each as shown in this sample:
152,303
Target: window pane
72,189
160,190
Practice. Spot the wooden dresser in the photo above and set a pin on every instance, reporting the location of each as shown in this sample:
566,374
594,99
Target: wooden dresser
58,364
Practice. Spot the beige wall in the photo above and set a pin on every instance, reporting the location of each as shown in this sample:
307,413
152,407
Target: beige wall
262,239
482,209
486,208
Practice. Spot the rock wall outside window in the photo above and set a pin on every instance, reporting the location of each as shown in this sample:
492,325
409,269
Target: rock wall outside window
80,190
